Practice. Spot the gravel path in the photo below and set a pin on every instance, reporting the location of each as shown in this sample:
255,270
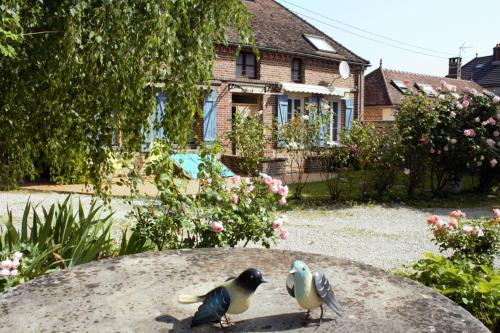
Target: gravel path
385,237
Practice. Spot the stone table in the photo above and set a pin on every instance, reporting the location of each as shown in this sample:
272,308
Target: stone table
138,294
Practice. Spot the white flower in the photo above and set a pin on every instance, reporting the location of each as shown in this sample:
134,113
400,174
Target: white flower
305,117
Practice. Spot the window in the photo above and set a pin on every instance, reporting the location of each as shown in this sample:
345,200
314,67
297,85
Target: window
427,89
402,86
478,66
320,43
294,108
334,121
245,65
296,70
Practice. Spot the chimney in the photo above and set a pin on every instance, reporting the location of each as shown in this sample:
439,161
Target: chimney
455,68
496,53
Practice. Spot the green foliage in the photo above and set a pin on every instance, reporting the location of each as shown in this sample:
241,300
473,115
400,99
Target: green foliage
88,69
248,136
58,238
217,216
10,27
377,153
414,122
333,161
475,287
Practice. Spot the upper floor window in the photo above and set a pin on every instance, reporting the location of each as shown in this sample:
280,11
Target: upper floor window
296,70
245,65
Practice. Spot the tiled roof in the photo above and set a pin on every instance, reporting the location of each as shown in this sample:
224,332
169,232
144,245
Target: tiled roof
277,28
380,89
486,74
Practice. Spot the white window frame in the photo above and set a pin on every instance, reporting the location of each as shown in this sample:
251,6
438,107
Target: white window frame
291,103
338,118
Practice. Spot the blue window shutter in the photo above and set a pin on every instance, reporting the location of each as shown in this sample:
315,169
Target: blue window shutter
154,119
349,113
282,112
210,117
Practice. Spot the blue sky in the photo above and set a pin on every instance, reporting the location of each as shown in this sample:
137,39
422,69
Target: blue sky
438,25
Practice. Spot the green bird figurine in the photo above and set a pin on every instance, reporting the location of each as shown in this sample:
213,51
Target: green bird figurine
231,297
310,290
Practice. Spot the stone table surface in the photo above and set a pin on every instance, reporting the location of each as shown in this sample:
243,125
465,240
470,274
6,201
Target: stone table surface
139,294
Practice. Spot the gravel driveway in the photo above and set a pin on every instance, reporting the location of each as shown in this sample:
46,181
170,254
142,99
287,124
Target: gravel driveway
382,236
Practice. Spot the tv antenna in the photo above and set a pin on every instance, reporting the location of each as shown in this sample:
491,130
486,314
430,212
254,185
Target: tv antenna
463,49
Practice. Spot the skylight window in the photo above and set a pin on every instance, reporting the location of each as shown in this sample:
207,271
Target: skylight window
320,43
427,89
402,86
478,66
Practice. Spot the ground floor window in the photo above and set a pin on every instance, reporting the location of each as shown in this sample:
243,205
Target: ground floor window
295,107
334,121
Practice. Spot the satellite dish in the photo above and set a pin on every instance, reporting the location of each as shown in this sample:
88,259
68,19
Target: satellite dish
344,70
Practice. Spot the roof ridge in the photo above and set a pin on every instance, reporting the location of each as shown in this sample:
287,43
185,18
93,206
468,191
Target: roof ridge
385,84
317,29
476,58
425,75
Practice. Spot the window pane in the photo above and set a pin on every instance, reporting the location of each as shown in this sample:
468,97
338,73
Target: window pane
296,64
295,76
250,71
250,60
290,112
239,70
239,61
297,106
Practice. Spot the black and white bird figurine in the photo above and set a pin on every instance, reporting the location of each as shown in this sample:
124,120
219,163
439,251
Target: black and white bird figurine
310,290
231,297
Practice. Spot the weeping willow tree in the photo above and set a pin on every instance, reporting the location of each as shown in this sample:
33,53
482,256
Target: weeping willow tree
79,71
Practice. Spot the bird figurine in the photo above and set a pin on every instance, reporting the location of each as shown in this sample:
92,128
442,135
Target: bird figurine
310,290
232,297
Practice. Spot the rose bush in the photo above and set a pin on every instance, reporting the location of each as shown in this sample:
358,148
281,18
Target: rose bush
220,214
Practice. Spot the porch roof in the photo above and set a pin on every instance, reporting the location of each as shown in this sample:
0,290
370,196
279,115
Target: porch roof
314,90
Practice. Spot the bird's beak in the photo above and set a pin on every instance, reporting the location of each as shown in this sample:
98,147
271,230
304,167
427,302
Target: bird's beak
293,271
263,281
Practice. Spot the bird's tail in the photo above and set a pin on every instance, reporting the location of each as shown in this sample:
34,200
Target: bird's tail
188,299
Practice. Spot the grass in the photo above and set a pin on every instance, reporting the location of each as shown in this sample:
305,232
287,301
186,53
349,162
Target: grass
316,194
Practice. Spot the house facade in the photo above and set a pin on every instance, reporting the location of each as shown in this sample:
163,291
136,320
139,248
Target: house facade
297,64
385,90
485,71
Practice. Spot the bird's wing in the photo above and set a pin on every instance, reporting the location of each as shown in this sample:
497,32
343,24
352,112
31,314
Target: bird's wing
213,307
290,281
325,291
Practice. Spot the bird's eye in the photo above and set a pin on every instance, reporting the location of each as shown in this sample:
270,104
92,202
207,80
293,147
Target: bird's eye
303,268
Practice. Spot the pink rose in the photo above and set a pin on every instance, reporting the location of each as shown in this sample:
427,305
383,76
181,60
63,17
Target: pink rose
283,191
424,140
440,224
453,114
478,231
484,123
6,264
479,163
457,214
445,148
469,132
234,199
493,163
477,120
235,179
15,263
4,272
453,223
481,158
433,150
282,201
465,103
283,234
407,171
490,143
459,106
496,133
467,229
432,219
496,99
13,272
492,121
268,180
278,223
453,141
217,227
249,189
496,214
273,188
17,255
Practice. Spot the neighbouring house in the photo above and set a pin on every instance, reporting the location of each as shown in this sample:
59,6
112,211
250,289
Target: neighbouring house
297,64
386,88
485,71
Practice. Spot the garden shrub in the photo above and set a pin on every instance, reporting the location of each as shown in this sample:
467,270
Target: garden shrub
248,137
334,160
218,215
57,239
377,154
467,276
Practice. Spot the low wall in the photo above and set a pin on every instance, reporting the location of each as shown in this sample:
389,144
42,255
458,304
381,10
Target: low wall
271,166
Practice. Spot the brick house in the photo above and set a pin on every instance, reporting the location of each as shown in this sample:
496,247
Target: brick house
298,63
385,89
485,71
